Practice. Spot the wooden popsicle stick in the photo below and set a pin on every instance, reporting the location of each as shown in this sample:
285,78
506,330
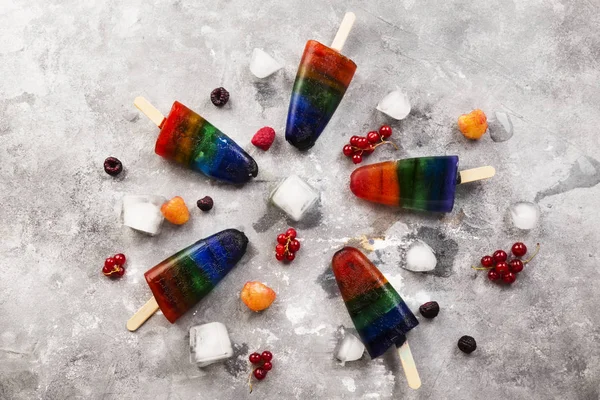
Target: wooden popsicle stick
142,315
343,31
149,110
410,369
475,174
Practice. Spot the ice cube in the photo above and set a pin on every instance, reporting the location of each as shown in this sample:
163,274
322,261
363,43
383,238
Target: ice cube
420,257
209,343
395,104
525,215
350,349
502,129
294,196
262,64
142,213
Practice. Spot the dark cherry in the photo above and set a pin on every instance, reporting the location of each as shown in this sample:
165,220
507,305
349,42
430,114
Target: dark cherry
113,166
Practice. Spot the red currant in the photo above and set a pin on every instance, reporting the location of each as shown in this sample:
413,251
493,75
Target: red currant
519,249
266,355
502,268
110,262
493,275
516,266
500,256
106,270
279,249
260,373
357,159
369,150
487,261
385,131
362,143
291,233
509,278
294,245
347,150
353,140
281,238
290,256
120,271
120,259
279,256
373,137
254,358
267,366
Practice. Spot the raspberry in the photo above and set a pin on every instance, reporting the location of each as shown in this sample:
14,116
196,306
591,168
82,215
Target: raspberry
219,96
263,139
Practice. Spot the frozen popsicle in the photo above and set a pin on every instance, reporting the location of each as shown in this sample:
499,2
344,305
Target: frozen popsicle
321,81
380,316
423,183
190,140
185,278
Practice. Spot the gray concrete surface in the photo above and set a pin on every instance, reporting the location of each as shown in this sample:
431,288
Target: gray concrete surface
70,71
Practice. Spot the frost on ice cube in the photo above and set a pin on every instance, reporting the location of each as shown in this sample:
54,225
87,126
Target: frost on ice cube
525,215
142,213
209,343
420,257
395,104
295,197
262,64
350,349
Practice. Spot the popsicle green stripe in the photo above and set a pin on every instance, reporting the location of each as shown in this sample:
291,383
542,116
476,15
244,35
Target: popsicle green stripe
372,305
195,283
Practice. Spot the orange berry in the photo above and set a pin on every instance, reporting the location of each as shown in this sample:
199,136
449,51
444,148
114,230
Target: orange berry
473,125
257,296
175,211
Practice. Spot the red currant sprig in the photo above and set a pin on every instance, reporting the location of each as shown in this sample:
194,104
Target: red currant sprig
361,145
287,245
499,269
114,266
263,365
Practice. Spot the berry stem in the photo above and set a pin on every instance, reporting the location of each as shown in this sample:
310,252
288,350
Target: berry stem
250,380
537,249
481,268
384,142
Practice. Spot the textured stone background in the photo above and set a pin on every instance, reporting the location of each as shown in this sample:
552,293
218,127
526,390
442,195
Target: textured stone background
70,71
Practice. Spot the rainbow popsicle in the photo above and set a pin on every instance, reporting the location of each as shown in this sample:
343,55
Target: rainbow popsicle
322,79
190,140
424,183
379,314
185,278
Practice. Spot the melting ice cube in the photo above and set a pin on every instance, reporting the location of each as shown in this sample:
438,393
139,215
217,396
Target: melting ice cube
142,213
350,349
209,343
395,104
420,257
262,64
295,197
525,215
